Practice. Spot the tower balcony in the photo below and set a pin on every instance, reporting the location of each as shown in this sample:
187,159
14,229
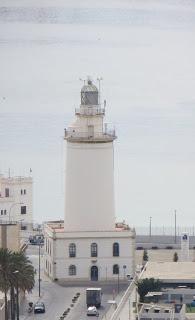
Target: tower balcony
89,137
90,111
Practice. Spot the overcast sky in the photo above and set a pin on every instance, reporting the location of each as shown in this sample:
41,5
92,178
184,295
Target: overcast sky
145,54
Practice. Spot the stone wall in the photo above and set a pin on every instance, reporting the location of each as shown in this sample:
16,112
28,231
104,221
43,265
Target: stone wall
9,236
161,241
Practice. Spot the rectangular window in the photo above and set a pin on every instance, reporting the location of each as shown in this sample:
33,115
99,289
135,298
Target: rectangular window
21,191
1,212
6,192
5,212
23,209
24,191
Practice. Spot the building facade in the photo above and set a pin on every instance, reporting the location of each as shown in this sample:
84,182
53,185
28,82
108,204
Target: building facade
16,200
89,244
95,255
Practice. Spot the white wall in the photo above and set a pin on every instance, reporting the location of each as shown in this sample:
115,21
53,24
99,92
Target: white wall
60,260
13,203
89,187
81,124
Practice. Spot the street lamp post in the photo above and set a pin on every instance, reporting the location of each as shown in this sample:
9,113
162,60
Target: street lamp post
39,270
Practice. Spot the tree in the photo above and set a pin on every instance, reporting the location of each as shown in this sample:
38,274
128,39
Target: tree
5,256
146,285
17,273
175,257
145,256
23,279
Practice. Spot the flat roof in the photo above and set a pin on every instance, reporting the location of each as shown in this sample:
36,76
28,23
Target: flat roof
171,271
58,226
151,294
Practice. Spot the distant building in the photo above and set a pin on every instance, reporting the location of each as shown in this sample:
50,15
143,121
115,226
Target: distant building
172,274
89,245
16,200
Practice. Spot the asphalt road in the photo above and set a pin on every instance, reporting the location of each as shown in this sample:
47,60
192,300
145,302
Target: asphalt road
57,298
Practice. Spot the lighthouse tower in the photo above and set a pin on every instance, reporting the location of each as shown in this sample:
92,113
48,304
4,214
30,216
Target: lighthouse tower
89,184
89,245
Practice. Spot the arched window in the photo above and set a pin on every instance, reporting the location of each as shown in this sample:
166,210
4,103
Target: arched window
115,269
94,250
72,250
115,249
72,270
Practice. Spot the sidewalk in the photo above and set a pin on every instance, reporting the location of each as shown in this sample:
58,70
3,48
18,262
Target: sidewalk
33,296
29,297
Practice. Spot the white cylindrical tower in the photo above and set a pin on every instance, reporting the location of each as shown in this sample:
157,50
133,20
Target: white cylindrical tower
89,181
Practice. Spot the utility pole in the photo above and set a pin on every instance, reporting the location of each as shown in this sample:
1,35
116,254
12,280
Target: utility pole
99,80
150,228
175,226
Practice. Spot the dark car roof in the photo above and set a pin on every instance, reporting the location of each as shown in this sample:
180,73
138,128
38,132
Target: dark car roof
39,304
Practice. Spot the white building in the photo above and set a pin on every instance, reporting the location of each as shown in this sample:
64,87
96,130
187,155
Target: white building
89,245
185,247
16,200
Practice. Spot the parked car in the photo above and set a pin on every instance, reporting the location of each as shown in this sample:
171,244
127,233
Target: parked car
39,307
92,311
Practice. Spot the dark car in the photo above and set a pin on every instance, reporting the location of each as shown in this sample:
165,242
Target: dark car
36,239
39,307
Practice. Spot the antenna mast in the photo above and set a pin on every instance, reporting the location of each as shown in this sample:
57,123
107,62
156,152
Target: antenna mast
99,81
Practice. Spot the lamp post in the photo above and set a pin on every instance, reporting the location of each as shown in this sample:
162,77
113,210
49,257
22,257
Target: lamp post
14,204
17,295
39,271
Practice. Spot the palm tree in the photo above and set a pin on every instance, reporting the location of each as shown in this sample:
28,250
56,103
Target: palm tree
16,273
22,276
5,258
25,275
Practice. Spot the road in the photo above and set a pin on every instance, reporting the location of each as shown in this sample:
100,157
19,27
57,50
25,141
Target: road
58,298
